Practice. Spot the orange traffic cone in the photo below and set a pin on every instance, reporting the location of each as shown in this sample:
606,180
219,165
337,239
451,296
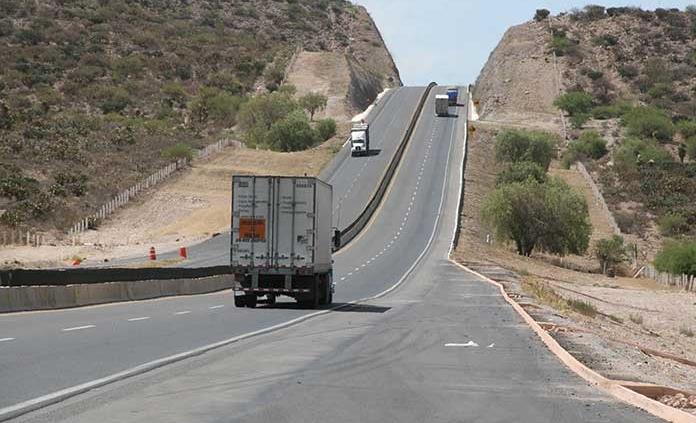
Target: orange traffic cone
153,255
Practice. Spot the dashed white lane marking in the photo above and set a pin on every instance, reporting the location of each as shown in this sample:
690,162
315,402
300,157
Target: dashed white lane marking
468,344
78,328
179,313
491,346
350,273
6,339
357,269
216,307
343,278
137,319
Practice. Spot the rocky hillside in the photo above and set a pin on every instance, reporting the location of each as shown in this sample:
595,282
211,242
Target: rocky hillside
631,75
96,95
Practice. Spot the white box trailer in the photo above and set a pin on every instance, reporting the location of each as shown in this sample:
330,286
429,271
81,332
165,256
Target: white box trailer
442,105
360,139
281,241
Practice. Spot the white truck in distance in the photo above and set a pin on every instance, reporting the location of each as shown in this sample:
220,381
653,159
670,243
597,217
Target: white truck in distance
442,105
281,241
360,139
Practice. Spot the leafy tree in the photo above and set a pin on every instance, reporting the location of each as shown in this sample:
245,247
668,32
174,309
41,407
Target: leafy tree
264,110
215,105
326,129
578,120
515,145
520,172
574,103
313,102
677,257
549,216
648,122
293,133
610,252
288,89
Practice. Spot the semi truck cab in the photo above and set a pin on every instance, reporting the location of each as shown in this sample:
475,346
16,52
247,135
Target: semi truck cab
360,139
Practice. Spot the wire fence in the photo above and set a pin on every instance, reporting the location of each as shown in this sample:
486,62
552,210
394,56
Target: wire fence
685,282
35,238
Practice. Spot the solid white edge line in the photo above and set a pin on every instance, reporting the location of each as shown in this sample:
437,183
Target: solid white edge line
19,409
78,328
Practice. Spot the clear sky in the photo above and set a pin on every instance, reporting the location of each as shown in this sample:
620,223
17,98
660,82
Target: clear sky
448,41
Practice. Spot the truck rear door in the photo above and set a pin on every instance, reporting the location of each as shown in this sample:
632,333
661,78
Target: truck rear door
294,233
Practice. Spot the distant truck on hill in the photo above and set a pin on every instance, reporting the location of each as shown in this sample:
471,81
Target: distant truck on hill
442,105
360,139
453,95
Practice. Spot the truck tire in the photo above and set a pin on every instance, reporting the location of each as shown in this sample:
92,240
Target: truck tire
251,301
240,300
270,299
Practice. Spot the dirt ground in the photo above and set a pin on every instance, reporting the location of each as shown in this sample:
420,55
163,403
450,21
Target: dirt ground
624,328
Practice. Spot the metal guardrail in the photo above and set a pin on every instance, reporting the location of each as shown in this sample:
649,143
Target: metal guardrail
350,232
42,277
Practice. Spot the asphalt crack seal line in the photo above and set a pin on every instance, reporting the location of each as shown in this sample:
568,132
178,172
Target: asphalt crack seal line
34,404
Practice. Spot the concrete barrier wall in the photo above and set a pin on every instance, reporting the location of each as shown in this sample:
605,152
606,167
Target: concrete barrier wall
26,298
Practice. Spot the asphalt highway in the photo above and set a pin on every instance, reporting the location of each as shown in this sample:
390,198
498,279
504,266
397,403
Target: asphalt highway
443,345
354,179
42,352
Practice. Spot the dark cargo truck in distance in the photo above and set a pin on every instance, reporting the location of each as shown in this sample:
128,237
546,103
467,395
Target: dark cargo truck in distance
281,239
453,95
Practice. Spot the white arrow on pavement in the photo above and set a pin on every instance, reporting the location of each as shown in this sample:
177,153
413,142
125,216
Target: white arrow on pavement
468,344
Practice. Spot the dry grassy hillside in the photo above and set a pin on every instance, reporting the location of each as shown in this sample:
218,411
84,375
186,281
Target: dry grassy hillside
95,95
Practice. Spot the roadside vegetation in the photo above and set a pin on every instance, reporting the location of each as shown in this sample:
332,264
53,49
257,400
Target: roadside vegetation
529,208
642,97
96,95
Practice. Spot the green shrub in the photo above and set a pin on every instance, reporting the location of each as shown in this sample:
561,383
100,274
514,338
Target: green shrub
326,128
213,105
661,90
574,103
113,99
541,14
691,148
515,145
673,224
578,120
178,151
590,145
677,257
610,252
293,133
605,40
629,71
520,172
635,151
264,110
648,122
129,66
174,94
70,182
550,217
687,128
